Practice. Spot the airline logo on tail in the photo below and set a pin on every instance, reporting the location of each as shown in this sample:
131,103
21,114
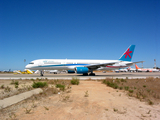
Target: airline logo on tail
127,56
127,53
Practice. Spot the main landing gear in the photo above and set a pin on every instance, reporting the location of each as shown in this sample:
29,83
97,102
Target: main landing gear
91,74
85,74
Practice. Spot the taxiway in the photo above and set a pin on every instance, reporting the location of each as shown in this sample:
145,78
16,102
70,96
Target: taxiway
70,76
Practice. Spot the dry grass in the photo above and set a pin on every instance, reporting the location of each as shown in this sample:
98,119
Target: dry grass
147,90
8,89
86,94
34,101
11,87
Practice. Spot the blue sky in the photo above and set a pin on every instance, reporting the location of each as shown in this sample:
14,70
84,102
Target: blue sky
78,29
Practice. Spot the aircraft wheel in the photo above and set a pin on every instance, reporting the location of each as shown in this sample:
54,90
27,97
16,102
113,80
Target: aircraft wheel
85,74
92,74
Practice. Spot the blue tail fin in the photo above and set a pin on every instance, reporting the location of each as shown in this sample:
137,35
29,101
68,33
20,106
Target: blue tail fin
128,54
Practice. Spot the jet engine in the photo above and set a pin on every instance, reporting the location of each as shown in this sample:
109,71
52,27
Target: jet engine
81,70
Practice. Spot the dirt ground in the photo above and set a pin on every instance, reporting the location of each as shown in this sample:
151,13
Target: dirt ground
90,100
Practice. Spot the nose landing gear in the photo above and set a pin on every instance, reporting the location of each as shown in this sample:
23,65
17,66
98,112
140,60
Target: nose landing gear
42,73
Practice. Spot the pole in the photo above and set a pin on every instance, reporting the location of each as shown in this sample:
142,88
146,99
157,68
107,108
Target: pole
142,64
24,63
155,63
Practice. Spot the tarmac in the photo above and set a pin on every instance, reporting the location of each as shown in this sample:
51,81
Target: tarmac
99,75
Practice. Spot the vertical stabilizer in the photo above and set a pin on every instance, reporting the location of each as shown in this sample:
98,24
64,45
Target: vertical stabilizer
29,71
137,67
128,54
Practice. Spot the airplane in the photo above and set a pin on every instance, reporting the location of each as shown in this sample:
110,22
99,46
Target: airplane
145,69
26,71
123,70
131,69
7,71
37,72
17,72
82,66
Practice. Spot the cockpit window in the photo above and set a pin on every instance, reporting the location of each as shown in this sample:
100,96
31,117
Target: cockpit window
31,63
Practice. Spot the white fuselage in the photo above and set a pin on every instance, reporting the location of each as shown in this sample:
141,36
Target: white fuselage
71,64
147,70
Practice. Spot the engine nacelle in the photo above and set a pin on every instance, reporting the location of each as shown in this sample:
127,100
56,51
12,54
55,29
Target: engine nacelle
71,71
81,70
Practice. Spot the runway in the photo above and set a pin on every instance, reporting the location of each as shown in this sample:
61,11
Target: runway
81,77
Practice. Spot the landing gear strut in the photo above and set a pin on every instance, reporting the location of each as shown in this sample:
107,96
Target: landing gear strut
92,74
41,73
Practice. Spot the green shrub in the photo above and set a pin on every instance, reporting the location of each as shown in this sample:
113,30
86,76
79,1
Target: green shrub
117,81
111,84
16,86
122,80
115,110
16,83
120,88
7,89
39,84
126,88
104,81
148,90
2,87
12,82
38,79
62,87
75,81
131,91
150,102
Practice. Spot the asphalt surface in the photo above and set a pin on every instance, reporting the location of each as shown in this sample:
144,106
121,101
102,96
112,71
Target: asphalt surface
99,75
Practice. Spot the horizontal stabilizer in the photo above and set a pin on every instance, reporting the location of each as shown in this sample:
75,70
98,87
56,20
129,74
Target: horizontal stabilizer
130,64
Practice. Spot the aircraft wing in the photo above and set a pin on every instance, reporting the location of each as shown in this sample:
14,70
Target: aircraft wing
95,66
